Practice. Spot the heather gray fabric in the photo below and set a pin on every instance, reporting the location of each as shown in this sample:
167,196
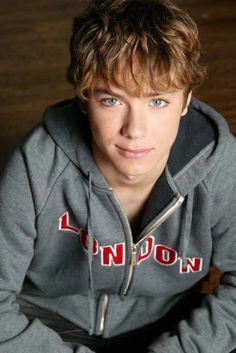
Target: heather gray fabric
65,243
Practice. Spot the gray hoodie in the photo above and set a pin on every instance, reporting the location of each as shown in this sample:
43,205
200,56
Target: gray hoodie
66,244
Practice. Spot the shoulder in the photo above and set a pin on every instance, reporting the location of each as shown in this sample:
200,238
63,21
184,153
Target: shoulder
40,151
221,181
43,162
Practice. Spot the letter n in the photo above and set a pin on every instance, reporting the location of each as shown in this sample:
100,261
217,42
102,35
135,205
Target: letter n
192,265
113,255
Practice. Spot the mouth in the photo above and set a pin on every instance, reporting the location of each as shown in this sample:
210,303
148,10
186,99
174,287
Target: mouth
133,153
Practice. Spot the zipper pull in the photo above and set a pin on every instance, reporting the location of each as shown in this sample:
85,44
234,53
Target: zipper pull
103,313
134,255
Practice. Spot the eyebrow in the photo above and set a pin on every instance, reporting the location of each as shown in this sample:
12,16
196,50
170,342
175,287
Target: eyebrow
101,90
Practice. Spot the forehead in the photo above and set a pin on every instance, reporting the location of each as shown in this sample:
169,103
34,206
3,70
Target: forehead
137,76
101,87
135,79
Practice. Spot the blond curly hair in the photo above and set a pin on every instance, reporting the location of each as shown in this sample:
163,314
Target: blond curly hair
135,44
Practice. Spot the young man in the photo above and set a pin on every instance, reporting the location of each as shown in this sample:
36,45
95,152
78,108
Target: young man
115,206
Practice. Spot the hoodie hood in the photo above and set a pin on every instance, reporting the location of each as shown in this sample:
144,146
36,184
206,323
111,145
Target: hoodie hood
69,128
196,150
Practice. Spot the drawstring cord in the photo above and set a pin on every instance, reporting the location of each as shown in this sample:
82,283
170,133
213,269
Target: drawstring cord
186,226
90,257
186,236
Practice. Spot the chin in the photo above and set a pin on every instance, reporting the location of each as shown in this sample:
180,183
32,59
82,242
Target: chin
130,177
133,175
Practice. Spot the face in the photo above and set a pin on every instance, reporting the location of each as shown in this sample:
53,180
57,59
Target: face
132,136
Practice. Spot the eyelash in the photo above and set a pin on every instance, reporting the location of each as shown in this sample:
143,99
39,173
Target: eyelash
107,99
162,101
104,101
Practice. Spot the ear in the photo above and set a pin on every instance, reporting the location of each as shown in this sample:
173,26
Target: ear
185,110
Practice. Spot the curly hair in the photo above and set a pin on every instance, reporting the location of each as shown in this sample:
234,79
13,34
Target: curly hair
134,44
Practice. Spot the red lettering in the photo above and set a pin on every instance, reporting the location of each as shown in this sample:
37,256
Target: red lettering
113,255
84,240
143,255
164,255
191,265
64,224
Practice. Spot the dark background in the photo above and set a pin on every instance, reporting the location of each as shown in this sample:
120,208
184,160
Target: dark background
34,55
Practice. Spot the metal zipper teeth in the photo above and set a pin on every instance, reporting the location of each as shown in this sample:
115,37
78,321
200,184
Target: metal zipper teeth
162,219
167,214
104,309
131,268
133,246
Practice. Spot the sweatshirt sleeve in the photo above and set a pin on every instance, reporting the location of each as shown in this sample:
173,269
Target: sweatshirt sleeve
211,327
17,236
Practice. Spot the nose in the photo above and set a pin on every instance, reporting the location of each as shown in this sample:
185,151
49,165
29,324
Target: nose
135,124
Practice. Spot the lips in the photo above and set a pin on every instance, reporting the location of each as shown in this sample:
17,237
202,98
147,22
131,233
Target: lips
133,153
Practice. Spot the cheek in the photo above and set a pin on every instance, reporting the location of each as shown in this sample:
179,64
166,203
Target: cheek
101,130
104,126
95,122
165,131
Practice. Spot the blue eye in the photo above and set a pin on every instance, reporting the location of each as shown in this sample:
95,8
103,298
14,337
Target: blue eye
111,101
159,103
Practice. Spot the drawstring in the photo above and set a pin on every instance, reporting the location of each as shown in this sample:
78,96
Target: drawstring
90,257
186,236
186,226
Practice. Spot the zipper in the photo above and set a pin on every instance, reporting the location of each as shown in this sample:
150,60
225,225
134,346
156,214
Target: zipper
103,313
162,219
131,267
134,247
134,252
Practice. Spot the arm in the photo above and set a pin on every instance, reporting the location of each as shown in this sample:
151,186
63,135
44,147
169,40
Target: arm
211,327
17,236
